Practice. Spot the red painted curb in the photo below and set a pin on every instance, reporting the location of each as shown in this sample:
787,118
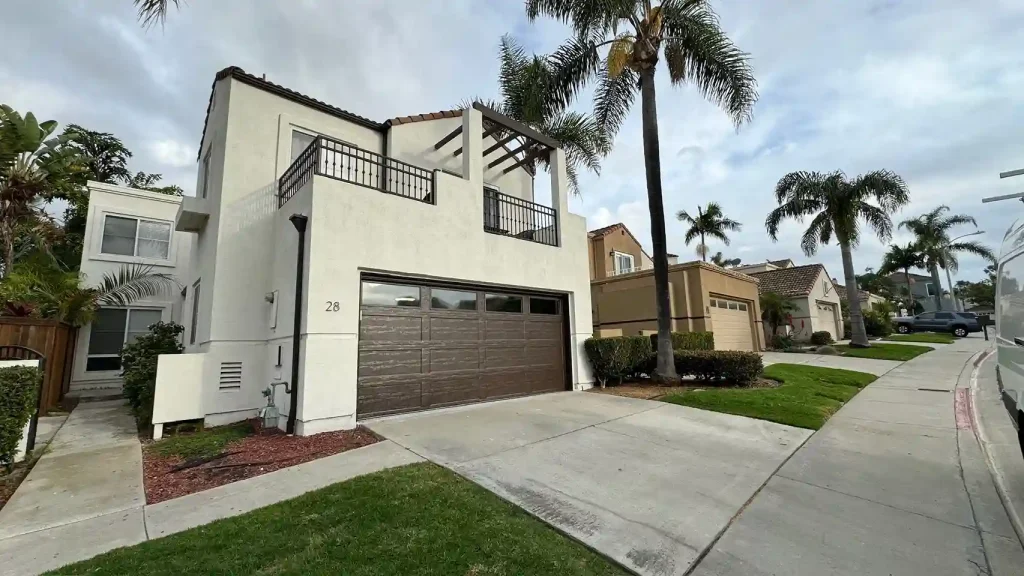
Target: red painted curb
962,409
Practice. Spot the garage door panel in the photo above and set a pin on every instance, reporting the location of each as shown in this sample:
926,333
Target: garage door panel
504,329
389,362
386,395
449,359
731,325
418,358
454,329
451,389
374,328
504,357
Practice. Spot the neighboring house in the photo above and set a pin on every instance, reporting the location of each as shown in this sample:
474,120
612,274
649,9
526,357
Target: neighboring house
867,299
430,277
126,226
702,296
811,291
613,250
923,289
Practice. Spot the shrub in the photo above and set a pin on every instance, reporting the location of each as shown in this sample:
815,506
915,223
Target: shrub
730,365
19,386
138,366
822,338
618,357
877,323
827,351
780,342
688,341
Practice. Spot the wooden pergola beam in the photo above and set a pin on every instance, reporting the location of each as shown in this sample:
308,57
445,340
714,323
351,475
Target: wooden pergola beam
535,153
451,136
493,128
510,154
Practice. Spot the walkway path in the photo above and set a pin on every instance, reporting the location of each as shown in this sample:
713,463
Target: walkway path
85,495
869,365
894,483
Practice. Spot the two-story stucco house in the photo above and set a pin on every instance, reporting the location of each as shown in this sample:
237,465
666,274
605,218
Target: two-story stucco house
125,226
426,274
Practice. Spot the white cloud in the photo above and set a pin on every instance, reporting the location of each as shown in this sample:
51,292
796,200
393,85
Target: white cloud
173,153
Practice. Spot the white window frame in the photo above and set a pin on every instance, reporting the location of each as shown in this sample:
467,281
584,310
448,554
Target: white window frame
196,292
929,289
311,134
206,171
134,257
615,262
124,335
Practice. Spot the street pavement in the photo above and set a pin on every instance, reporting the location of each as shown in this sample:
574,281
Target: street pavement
894,484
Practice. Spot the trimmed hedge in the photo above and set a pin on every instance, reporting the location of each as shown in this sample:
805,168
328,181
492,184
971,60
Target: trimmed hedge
19,386
688,341
619,357
732,366
822,338
138,366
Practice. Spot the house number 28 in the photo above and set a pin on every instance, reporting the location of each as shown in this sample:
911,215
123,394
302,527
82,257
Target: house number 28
333,306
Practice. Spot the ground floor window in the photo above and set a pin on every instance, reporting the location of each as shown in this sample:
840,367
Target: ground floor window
111,329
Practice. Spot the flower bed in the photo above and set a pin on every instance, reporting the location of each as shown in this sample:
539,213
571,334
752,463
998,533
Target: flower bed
185,464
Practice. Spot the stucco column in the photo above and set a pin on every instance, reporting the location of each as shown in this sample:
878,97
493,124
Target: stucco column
559,188
473,147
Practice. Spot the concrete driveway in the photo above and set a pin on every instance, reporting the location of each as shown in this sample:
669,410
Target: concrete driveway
646,483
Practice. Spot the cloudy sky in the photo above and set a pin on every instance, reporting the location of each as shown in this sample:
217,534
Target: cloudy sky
930,89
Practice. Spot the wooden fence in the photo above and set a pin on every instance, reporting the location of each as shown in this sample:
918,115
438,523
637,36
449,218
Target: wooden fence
54,340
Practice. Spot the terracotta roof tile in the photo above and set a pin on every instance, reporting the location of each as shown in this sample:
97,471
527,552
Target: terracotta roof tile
796,281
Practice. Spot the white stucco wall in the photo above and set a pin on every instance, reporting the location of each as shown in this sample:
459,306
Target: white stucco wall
805,314
107,199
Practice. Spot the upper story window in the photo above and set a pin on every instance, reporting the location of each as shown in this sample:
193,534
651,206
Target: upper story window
300,141
623,262
930,288
127,236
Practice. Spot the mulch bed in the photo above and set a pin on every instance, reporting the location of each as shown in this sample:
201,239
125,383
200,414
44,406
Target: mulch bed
646,391
264,451
9,481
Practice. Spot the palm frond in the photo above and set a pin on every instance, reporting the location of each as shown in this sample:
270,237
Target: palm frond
153,11
970,247
572,65
684,216
818,232
613,97
131,283
698,52
886,187
878,219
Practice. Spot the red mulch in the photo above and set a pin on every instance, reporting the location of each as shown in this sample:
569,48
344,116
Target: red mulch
258,454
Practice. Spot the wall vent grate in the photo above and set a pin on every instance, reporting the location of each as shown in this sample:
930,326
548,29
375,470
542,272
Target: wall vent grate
230,375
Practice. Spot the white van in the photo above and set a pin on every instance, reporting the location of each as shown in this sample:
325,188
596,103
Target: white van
1010,325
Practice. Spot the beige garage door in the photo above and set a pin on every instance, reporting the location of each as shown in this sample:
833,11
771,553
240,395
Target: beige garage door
827,320
730,321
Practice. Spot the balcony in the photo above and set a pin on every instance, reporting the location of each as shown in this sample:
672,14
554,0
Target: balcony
334,159
193,213
510,216
621,271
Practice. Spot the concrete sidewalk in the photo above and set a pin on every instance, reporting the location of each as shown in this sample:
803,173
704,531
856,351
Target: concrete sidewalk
85,495
869,365
894,483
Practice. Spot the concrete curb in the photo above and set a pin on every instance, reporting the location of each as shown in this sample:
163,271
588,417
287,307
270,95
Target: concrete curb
979,431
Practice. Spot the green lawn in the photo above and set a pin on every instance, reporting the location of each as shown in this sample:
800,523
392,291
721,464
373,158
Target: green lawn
414,520
808,396
930,337
879,351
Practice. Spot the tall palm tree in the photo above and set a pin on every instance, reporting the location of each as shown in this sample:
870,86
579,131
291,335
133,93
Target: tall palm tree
635,35
525,83
710,221
33,167
153,11
837,205
933,240
903,258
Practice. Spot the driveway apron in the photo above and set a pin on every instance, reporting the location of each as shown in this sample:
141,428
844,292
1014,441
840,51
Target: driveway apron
646,483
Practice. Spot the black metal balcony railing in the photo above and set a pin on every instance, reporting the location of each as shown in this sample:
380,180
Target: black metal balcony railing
511,216
340,161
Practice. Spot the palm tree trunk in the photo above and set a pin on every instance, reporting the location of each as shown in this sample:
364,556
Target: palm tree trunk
906,275
938,285
665,371
704,250
859,336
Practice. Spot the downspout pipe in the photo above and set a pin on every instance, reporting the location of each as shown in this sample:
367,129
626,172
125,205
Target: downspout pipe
299,221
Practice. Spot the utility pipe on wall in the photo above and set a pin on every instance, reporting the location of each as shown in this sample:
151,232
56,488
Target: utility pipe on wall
299,221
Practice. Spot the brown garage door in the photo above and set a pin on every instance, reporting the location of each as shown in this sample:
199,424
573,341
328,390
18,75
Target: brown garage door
430,346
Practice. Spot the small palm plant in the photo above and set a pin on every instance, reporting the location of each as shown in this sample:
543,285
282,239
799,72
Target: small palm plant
836,206
710,221
775,310
902,259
